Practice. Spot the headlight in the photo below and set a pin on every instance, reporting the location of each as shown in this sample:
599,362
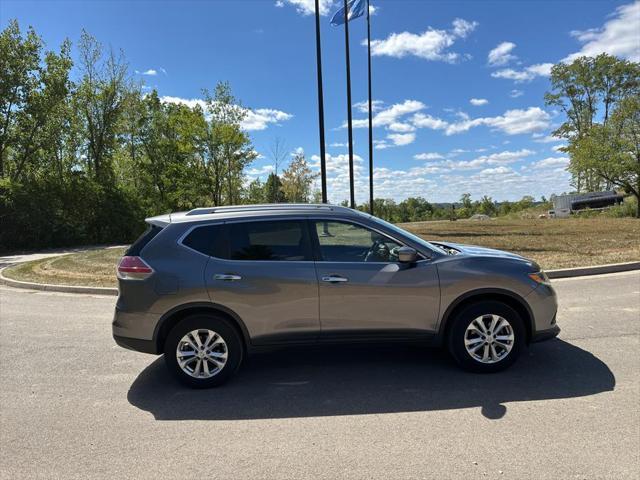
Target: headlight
540,277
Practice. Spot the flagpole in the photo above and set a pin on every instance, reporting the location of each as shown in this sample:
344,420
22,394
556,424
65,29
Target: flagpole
370,111
323,167
349,118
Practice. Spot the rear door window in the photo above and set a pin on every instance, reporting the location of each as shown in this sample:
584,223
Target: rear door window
278,240
208,239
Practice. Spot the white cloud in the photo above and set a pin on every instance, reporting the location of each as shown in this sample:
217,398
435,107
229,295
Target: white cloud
363,106
512,122
390,114
501,55
189,102
551,162
258,119
515,93
515,122
496,171
442,183
401,127
420,120
307,7
260,171
428,156
150,72
338,144
500,158
401,139
261,118
619,36
477,102
432,44
526,74
542,138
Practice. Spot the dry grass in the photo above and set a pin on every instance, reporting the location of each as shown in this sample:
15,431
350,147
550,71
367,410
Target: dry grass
554,243
96,268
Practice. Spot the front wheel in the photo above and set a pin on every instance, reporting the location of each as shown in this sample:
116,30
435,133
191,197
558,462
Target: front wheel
203,351
486,337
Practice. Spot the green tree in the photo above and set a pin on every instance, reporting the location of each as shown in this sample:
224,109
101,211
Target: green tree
414,210
587,91
100,99
229,148
487,206
273,189
20,76
612,150
297,180
256,192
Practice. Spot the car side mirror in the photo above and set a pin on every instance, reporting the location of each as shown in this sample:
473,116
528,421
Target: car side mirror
407,255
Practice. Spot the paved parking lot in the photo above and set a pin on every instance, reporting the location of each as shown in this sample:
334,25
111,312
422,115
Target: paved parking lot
73,405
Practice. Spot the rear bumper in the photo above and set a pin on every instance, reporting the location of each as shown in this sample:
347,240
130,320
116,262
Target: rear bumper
144,346
548,334
134,331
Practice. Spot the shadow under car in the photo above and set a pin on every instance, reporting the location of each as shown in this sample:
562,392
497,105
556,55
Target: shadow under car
366,379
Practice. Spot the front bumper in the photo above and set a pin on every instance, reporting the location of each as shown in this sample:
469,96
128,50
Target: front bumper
548,334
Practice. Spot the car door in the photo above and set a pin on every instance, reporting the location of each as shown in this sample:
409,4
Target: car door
268,279
364,291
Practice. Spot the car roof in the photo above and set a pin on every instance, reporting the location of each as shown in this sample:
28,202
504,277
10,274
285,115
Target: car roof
243,211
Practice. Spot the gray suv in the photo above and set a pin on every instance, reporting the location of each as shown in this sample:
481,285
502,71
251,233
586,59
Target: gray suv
208,286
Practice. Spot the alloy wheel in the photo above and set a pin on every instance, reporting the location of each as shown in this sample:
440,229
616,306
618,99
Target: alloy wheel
489,338
202,353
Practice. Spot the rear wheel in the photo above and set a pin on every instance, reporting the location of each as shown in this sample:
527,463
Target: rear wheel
486,337
203,351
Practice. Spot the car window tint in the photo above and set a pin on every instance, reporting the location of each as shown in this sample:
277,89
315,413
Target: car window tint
348,242
269,240
208,239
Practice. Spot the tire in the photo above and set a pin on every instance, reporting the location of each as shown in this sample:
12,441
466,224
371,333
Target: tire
214,369
506,347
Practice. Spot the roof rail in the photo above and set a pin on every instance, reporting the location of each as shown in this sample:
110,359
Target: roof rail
265,207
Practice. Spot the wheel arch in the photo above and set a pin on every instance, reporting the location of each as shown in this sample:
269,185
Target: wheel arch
176,314
507,297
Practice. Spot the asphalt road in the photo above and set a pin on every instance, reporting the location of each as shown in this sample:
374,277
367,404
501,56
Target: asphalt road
73,405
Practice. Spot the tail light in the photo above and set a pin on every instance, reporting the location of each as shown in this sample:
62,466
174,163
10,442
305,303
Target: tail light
133,268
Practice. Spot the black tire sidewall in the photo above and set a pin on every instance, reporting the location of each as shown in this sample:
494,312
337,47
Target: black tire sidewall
219,325
462,321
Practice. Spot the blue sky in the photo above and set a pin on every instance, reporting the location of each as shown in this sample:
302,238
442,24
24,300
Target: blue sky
458,85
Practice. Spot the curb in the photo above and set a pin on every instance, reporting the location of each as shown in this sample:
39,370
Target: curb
553,274
56,288
593,270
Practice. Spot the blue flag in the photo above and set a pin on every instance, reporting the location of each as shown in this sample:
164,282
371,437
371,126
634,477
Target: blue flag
356,8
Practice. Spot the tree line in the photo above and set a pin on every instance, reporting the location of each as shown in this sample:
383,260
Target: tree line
86,159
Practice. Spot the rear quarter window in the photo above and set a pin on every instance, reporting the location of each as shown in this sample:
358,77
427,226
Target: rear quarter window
208,239
142,241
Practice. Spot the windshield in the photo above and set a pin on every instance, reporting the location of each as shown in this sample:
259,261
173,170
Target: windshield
402,231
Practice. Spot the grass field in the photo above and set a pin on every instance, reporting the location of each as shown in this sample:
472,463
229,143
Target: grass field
554,243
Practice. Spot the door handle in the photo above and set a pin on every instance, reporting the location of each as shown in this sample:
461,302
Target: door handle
227,277
334,279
